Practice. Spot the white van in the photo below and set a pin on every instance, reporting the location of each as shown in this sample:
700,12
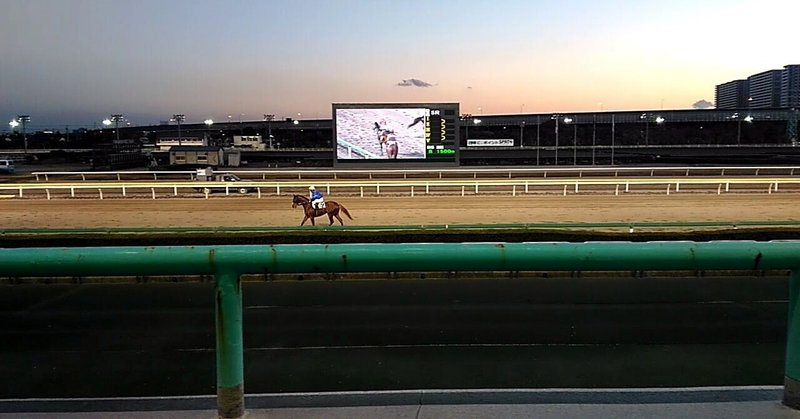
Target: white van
7,166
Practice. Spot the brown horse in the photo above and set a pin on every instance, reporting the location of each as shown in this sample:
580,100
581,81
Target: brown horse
390,140
331,210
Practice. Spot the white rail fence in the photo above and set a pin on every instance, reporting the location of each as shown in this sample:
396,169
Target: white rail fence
563,186
475,173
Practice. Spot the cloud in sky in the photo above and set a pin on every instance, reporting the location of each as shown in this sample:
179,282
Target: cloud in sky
414,83
702,104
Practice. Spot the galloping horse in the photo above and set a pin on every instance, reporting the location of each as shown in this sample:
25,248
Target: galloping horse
390,140
331,210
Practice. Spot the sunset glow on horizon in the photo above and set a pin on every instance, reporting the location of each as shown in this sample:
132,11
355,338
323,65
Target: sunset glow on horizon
74,62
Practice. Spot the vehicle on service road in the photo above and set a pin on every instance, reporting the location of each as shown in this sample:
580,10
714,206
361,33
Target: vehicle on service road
207,175
7,166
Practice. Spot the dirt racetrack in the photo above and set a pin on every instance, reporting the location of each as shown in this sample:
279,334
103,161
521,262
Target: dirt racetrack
420,210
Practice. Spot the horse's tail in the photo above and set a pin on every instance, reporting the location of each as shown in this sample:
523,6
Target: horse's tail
345,211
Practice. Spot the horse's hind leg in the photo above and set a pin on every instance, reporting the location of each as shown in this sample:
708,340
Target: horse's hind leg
338,218
330,218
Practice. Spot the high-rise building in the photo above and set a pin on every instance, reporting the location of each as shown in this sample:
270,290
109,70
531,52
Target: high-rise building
790,86
765,89
731,95
768,89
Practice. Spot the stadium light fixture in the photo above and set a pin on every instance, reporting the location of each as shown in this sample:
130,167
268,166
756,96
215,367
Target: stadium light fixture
114,118
567,120
660,120
179,117
208,123
269,118
466,117
555,118
748,118
476,121
23,120
14,124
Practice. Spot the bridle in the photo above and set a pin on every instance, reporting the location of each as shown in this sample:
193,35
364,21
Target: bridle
299,200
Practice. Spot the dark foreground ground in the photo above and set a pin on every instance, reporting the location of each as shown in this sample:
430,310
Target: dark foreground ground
149,339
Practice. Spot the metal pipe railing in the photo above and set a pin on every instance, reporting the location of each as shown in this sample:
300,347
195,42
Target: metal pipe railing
228,263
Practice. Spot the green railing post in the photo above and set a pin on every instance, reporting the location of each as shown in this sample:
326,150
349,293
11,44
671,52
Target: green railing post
230,347
791,379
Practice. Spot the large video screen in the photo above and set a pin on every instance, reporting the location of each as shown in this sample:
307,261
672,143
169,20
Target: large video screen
380,134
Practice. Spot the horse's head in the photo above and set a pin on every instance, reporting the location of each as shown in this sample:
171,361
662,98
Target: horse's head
298,200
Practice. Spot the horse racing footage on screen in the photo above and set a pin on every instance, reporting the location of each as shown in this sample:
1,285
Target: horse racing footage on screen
392,133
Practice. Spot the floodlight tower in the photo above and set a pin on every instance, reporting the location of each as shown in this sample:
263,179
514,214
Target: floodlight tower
22,120
115,119
269,118
179,117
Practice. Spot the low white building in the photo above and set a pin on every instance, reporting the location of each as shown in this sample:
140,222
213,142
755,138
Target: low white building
252,142
164,144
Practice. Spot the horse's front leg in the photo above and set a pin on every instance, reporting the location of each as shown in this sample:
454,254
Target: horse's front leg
304,220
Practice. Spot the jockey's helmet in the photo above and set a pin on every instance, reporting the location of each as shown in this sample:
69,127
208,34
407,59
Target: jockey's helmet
312,188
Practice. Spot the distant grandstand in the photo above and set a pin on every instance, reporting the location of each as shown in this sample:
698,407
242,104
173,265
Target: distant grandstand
707,136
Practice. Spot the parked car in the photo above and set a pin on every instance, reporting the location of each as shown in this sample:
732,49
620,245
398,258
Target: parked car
222,177
7,166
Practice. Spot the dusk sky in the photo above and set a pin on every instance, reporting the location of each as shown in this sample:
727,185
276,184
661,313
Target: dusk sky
74,62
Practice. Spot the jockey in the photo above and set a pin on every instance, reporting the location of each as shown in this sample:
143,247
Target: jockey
316,198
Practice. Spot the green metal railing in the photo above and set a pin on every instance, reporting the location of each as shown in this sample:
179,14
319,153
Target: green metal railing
228,263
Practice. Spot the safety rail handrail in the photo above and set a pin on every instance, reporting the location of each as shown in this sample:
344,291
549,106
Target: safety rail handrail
433,171
228,263
422,186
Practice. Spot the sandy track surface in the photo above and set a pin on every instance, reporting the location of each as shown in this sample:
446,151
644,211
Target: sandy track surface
253,212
